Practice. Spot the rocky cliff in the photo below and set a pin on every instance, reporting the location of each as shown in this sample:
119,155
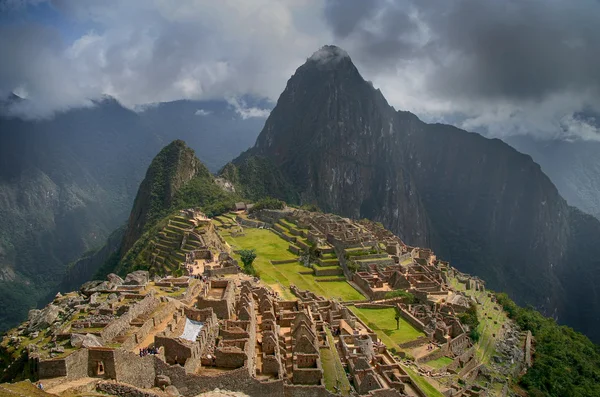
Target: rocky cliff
487,208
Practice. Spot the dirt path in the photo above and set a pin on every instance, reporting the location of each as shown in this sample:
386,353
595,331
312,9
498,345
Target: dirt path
149,339
63,385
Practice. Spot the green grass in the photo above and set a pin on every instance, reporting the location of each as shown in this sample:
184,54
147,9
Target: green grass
269,246
429,390
382,321
439,362
485,346
332,368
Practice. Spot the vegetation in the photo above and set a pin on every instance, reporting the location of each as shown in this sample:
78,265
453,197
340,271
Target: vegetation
566,363
268,203
429,390
407,296
439,362
470,318
333,370
269,246
247,256
257,177
383,322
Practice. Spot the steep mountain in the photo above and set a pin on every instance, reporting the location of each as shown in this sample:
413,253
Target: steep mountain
174,166
175,180
573,166
479,203
67,182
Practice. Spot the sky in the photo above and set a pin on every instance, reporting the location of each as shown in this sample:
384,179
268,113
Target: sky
501,68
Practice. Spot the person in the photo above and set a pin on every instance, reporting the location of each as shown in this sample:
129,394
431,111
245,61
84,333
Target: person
40,386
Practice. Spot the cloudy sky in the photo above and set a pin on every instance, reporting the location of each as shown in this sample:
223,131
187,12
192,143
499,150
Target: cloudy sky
498,67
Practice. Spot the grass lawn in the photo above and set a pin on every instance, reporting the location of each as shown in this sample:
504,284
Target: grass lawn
333,371
382,321
429,390
269,246
439,362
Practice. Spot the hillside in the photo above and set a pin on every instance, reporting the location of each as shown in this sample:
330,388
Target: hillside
67,182
476,201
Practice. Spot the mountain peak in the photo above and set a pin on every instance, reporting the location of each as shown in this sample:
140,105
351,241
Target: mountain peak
328,56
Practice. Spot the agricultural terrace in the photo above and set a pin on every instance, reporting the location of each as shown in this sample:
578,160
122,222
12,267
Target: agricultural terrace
334,374
491,318
383,322
269,246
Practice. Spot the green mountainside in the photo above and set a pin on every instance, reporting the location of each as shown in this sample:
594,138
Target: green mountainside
175,180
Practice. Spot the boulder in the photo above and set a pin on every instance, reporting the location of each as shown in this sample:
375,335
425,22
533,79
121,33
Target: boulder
172,391
91,341
43,318
139,277
87,340
115,279
112,298
163,381
89,288
33,313
94,298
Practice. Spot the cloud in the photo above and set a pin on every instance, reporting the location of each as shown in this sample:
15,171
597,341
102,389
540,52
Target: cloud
202,112
240,106
151,51
496,67
502,67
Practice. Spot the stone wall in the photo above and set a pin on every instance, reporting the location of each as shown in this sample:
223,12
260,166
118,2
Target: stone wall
76,363
52,368
221,271
528,349
415,322
148,304
133,369
106,357
115,389
237,379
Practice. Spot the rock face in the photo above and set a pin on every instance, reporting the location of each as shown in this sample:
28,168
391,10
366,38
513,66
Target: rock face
41,319
87,340
174,166
139,277
477,202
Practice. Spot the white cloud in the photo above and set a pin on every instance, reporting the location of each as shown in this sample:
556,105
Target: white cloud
202,112
246,112
142,51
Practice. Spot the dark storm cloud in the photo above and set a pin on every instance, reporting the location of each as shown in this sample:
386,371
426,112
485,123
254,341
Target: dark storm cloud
514,49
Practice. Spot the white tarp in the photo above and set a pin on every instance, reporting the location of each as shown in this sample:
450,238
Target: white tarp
191,330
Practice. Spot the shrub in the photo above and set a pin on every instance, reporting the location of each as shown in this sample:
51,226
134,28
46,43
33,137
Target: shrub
268,203
407,296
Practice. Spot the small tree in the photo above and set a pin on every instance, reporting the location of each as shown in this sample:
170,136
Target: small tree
397,318
247,257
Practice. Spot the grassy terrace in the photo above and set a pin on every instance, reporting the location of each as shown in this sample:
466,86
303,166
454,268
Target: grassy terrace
333,371
485,345
439,363
429,390
270,246
382,321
